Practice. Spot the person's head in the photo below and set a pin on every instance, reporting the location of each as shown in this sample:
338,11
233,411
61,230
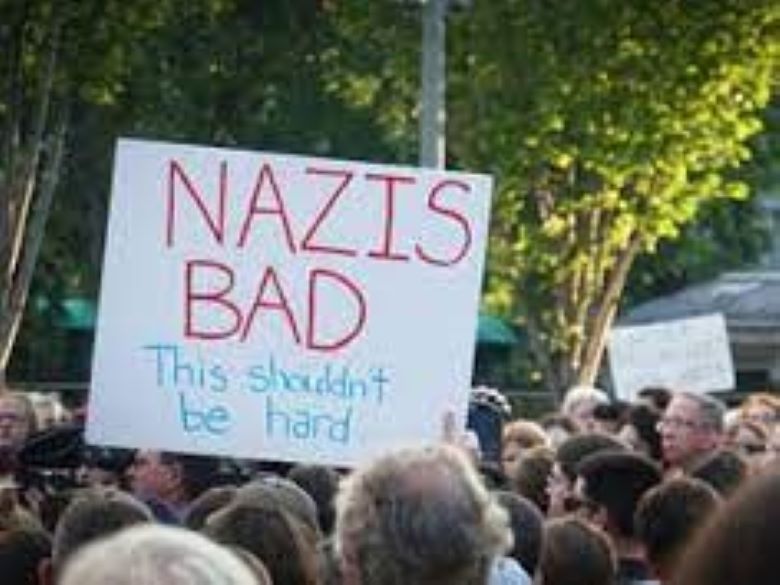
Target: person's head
21,552
527,524
17,420
172,478
558,428
273,490
640,431
691,426
609,417
656,397
739,545
572,451
418,516
206,504
723,469
91,515
157,555
609,487
762,408
321,483
575,553
270,534
519,436
668,517
532,474
580,402
48,408
751,440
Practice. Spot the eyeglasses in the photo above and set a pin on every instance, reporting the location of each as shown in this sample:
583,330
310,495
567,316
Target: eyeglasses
752,449
678,423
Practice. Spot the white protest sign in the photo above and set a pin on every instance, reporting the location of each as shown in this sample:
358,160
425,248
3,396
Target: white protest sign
285,307
689,354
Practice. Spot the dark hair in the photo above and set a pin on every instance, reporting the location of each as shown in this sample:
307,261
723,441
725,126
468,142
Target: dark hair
206,504
197,472
270,534
724,469
611,411
658,396
564,421
645,421
530,477
576,553
617,481
321,483
527,524
576,448
21,551
740,544
93,514
668,516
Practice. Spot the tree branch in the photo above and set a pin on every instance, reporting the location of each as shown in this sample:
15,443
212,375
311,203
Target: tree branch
17,298
606,309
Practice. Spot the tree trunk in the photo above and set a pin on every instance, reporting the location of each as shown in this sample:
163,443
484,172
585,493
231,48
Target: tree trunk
32,167
604,314
34,229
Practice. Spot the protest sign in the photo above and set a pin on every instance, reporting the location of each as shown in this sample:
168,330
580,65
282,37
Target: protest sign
284,307
686,354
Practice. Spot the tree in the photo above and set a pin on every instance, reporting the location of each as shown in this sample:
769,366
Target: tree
609,124
56,56
268,76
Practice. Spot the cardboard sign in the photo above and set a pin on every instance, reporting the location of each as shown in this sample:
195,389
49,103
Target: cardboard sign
269,306
686,354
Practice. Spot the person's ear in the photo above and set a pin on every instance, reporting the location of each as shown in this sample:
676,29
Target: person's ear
45,572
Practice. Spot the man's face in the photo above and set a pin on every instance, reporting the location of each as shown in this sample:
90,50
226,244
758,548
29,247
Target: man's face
150,477
684,434
14,423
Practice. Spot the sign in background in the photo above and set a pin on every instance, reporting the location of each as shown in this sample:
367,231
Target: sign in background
270,306
686,354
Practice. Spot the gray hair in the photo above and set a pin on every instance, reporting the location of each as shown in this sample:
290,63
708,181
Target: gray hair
419,516
712,412
582,394
156,555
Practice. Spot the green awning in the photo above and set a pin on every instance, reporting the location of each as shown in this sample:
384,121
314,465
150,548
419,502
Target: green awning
75,313
496,331
78,313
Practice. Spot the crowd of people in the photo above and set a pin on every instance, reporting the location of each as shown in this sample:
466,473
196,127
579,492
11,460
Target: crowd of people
672,488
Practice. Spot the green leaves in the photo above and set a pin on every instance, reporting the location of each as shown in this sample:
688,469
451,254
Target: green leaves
619,120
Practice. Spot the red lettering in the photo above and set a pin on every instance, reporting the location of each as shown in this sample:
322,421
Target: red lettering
312,342
254,208
306,244
215,225
213,299
280,304
385,251
436,206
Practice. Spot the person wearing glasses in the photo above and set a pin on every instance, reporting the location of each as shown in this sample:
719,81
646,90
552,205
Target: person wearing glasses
691,427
